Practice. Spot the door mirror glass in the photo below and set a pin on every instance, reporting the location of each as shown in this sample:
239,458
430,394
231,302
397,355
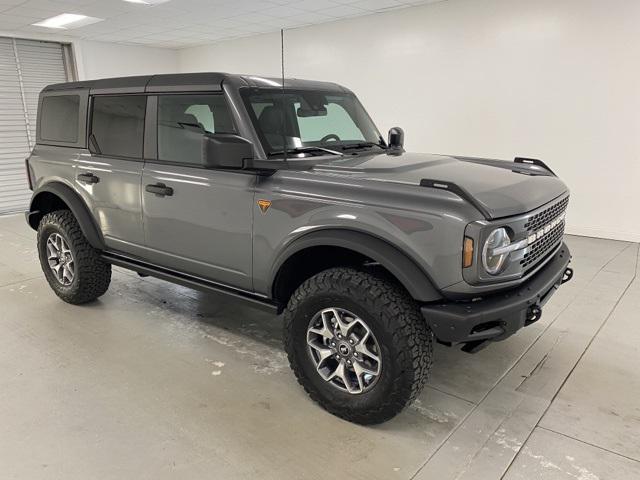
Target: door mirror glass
225,151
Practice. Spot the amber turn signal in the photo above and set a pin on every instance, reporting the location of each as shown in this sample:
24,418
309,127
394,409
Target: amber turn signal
467,252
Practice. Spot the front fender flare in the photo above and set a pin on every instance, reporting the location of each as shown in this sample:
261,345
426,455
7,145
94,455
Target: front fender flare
77,206
408,273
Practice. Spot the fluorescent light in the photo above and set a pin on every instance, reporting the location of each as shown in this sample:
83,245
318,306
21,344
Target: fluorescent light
147,2
67,20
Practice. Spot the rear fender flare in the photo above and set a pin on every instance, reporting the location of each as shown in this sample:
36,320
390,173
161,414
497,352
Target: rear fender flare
77,206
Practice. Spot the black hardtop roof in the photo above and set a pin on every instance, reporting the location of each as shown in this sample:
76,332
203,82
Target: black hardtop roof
175,82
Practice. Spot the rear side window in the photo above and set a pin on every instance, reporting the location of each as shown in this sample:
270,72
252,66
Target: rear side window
59,118
117,125
184,119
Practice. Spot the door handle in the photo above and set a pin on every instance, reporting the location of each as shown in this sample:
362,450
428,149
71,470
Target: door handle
88,178
159,189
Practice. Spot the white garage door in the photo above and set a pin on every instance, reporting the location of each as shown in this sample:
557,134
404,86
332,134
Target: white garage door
26,66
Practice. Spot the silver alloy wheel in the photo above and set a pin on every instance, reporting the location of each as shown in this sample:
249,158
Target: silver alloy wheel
344,350
60,259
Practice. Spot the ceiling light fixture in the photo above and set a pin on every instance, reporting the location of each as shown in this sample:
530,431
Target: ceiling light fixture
147,2
67,20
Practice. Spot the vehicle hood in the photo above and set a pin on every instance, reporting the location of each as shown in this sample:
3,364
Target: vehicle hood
500,188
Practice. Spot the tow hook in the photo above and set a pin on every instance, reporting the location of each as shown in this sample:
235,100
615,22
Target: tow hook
568,275
533,314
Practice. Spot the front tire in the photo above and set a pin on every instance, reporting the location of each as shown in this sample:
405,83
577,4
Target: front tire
74,269
357,344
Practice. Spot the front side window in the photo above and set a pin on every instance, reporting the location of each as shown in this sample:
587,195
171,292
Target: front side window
182,122
59,118
298,119
117,125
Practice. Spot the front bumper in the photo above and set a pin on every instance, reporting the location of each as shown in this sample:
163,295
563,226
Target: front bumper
498,316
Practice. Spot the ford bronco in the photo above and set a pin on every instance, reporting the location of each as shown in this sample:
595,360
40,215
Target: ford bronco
287,196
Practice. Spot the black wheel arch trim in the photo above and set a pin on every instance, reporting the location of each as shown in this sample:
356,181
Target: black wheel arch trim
407,272
77,206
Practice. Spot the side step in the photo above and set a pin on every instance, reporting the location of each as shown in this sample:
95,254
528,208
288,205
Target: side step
146,269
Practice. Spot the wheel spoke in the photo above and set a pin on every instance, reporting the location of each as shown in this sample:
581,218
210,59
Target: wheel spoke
51,247
67,274
323,355
359,370
362,348
342,325
324,330
341,373
57,270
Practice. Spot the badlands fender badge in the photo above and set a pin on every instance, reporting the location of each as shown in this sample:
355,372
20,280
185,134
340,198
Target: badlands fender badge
264,205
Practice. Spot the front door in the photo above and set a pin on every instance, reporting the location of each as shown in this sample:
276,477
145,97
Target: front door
196,220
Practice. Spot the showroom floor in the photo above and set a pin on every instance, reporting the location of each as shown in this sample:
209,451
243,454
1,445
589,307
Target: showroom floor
157,381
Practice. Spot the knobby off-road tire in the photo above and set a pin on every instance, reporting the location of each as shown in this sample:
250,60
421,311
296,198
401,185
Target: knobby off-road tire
402,339
91,275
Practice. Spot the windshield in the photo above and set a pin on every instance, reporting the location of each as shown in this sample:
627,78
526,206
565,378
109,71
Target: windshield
311,119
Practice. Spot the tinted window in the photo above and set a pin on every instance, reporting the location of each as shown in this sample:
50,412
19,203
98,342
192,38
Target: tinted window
309,119
117,125
184,119
59,118
335,123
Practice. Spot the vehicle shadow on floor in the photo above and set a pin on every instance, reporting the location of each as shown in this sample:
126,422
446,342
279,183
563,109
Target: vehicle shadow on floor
466,376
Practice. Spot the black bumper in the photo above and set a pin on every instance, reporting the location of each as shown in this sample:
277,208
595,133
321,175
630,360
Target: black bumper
498,316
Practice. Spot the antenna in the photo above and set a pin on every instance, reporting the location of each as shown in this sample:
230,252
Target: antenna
284,137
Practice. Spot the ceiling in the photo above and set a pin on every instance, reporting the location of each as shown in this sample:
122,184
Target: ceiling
184,23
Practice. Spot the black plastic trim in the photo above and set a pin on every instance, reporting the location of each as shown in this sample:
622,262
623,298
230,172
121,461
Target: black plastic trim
503,314
187,280
457,190
410,275
77,207
533,161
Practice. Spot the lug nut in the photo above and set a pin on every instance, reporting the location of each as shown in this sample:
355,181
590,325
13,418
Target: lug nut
348,362
351,341
339,335
333,344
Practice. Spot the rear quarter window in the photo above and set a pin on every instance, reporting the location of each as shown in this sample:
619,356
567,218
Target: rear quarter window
59,118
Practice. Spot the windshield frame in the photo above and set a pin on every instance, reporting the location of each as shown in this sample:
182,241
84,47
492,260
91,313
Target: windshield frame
277,151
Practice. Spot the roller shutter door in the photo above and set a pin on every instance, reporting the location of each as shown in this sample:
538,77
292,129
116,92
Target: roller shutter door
26,66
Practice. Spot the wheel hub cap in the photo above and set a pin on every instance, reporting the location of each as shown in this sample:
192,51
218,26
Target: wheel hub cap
344,350
60,259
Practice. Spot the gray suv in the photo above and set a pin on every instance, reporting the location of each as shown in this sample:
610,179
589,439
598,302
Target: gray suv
287,197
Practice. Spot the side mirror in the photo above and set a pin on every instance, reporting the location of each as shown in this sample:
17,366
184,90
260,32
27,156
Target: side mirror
225,150
396,138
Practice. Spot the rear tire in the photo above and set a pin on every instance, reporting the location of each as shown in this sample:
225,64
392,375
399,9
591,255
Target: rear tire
349,301
74,269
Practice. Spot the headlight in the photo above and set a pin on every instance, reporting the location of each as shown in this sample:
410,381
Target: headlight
494,253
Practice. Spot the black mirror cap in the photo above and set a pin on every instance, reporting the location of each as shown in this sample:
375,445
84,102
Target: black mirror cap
396,139
225,150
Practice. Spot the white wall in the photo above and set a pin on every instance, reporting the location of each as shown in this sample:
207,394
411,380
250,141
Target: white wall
553,79
102,60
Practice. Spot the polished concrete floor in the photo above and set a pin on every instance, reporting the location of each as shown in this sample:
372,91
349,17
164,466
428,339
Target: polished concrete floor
156,381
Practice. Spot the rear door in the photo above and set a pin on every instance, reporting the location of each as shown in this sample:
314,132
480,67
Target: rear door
111,173
196,220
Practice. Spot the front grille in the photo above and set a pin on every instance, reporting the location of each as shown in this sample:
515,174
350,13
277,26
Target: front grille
541,247
546,216
545,244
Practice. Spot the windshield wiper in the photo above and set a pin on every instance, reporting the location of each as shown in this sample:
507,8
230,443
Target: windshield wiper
350,146
306,150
